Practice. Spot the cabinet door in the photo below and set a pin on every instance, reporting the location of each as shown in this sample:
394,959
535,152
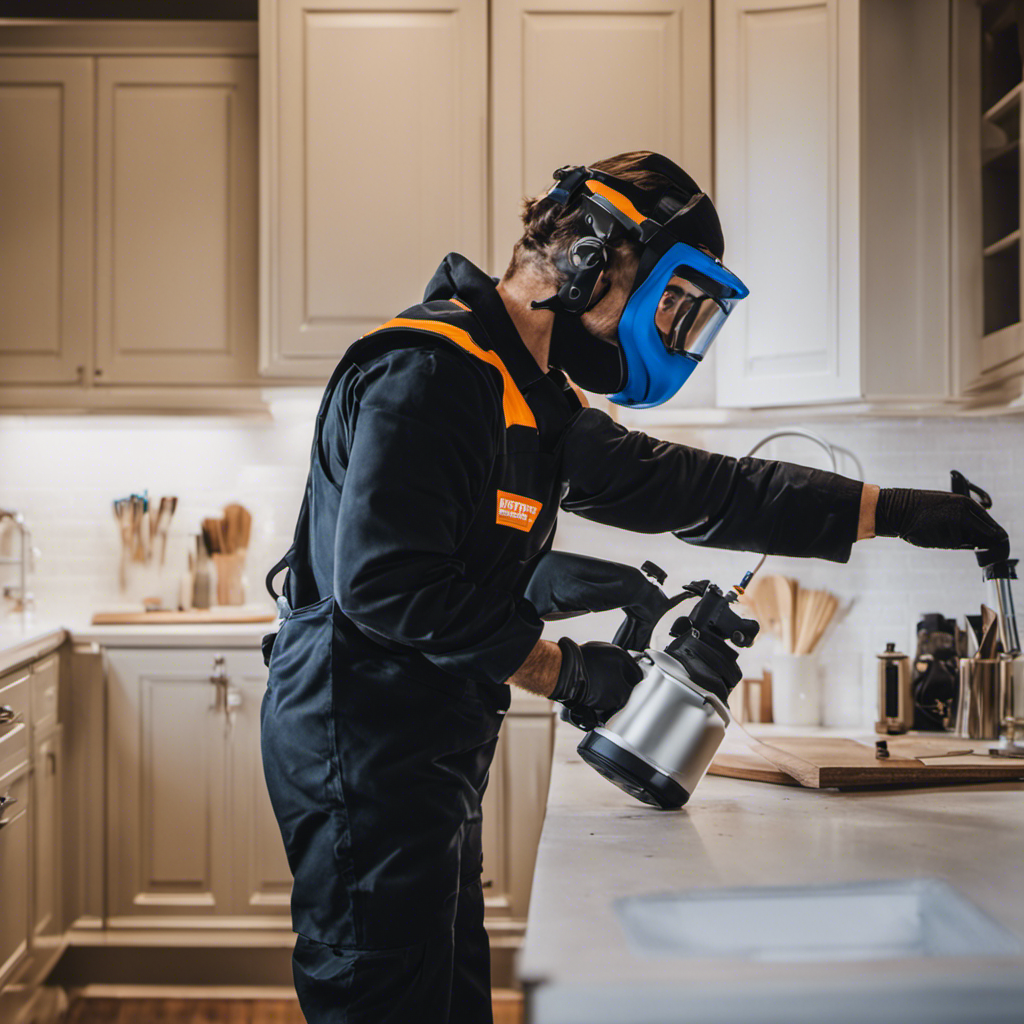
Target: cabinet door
373,154
14,868
514,805
551,107
46,843
263,881
177,208
166,742
46,211
787,181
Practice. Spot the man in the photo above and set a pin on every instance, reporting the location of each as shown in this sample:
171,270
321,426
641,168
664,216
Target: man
444,446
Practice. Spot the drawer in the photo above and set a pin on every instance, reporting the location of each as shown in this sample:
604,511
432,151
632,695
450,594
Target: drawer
44,694
14,712
14,888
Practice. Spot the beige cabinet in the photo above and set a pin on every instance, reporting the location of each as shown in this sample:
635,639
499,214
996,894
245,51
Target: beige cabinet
176,220
46,200
188,826
373,156
832,181
513,814
14,866
47,782
576,81
128,215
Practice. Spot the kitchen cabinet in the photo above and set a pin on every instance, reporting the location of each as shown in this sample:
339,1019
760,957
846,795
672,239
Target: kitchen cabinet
46,196
550,106
987,191
832,132
176,220
190,831
14,866
129,201
513,811
373,156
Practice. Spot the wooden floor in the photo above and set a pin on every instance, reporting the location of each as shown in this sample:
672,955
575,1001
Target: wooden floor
508,1009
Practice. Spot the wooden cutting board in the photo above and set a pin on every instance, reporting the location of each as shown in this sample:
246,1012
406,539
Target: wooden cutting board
206,616
818,762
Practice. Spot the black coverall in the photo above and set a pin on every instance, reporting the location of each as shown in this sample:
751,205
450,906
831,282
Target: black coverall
441,456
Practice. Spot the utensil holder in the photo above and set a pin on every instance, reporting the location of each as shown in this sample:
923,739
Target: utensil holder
796,689
991,690
230,581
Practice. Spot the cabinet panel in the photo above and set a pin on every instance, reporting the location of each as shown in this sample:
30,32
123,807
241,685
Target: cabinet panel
777,160
176,207
514,805
14,869
260,868
660,50
46,197
374,146
47,780
166,827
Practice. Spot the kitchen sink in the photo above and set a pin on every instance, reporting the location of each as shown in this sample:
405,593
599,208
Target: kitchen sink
791,924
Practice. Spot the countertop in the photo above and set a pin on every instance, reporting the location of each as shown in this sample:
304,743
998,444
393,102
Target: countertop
598,844
25,638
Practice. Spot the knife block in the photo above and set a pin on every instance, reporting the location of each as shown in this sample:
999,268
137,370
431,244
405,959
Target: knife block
230,578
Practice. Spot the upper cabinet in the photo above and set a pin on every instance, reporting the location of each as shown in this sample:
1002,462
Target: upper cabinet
832,181
552,103
176,220
373,144
46,200
987,115
128,199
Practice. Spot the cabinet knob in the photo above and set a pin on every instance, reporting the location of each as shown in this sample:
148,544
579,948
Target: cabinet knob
5,802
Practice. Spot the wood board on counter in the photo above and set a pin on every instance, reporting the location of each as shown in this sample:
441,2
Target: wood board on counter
223,615
819,762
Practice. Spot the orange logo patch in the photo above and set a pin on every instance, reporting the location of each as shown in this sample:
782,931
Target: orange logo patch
516,511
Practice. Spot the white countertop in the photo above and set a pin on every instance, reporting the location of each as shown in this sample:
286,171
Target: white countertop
599,844
24,639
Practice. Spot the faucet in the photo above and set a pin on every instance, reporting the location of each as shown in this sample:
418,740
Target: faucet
828,446
21,595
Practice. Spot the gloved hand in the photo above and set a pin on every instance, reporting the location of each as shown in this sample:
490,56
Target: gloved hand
937,519
595,681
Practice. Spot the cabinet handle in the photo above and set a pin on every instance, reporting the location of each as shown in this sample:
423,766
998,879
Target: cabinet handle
219,678
8,716
51,761
5,802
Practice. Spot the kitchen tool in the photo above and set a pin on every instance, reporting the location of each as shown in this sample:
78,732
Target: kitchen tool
895,704
820,762
935,676
658,747
201,587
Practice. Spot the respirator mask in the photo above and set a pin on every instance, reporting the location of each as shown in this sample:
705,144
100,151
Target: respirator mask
681,294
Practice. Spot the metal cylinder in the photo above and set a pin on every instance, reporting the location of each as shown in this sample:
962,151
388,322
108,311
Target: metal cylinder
983,690
895,703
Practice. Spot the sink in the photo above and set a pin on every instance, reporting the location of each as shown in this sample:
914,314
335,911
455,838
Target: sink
795,924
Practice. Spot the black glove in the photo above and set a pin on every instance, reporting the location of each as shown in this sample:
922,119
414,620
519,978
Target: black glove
937,519
595,681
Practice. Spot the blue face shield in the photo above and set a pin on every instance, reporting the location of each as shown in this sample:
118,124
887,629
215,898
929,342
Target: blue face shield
670,321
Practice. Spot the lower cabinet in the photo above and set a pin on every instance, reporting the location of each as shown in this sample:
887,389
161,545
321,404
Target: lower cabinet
14,866
190,831
514,804
47,782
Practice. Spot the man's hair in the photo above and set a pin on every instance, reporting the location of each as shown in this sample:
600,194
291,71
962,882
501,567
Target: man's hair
550,228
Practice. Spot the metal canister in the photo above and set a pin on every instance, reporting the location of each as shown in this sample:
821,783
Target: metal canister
983,691
895,704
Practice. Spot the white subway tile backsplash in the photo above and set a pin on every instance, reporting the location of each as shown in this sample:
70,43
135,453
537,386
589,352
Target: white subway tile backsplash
63,472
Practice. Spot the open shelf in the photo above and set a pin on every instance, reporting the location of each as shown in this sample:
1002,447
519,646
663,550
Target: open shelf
1000,192
1004,243
1002,288
1006,104
1001,69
